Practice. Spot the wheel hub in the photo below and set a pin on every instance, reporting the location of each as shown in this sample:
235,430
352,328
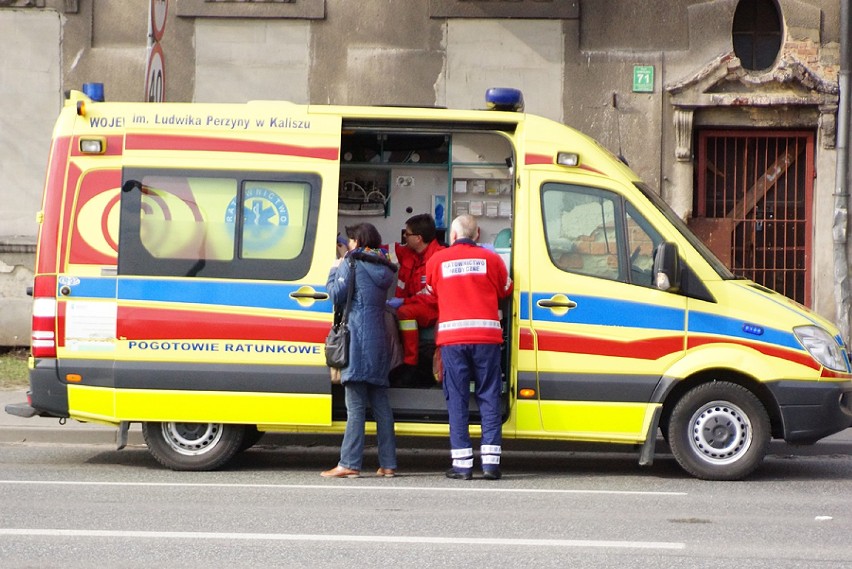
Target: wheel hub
721,432
192,439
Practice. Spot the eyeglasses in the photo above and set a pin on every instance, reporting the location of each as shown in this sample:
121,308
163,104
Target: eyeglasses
406,234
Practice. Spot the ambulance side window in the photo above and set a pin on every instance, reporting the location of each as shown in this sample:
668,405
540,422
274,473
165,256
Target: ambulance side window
642,241
594,232
176,221
217,224
275,218
580,228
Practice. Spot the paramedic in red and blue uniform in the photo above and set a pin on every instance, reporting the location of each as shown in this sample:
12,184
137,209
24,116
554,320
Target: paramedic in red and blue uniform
469,281
415,309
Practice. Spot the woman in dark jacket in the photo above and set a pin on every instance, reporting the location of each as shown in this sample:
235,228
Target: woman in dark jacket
365,379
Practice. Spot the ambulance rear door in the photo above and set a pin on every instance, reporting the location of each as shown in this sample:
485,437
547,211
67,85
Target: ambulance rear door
222,266
602,334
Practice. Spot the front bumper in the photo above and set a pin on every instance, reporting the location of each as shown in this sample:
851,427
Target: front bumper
813,410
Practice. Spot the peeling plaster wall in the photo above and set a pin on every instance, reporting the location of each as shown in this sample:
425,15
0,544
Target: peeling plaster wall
229,68
526,54
376,52
30,84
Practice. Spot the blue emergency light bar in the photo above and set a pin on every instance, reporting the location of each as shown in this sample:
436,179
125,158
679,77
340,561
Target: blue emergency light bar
504,99
94,91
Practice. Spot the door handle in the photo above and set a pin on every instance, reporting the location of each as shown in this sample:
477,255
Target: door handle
306,295
313,295
569,304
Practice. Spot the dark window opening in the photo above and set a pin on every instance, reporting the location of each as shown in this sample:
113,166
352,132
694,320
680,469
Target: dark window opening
757,33
394,148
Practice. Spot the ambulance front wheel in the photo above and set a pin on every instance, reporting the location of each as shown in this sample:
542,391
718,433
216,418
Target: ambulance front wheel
719,431
193,446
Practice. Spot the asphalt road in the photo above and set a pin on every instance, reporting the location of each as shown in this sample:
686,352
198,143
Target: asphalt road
89,506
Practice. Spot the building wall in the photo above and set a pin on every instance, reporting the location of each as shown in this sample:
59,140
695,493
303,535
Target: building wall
577,68
30,84
228,68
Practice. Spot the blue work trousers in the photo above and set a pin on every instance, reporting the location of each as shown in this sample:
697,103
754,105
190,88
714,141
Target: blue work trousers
480,363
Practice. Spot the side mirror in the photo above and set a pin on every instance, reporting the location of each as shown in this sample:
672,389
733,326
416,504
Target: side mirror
666,267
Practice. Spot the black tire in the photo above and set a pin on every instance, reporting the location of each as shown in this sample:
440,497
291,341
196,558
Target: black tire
664,428
251,436
193,446
719,431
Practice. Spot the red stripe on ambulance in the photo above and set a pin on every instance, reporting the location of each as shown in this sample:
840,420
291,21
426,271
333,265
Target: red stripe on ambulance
165,324
644,349
800,358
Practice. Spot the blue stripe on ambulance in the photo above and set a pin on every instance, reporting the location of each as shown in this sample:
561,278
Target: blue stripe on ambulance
598,311
613,312
230,293
705,323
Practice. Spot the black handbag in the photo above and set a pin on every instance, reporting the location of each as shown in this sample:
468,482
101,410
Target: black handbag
337,341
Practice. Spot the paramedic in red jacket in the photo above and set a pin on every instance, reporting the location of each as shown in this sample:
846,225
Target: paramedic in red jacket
414,308
469,281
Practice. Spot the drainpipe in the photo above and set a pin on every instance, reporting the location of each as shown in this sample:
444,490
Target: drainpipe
842,178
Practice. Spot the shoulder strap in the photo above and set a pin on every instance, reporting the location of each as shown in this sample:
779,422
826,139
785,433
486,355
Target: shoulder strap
350,292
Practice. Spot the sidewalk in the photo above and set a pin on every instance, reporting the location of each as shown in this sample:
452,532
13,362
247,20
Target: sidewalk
15,429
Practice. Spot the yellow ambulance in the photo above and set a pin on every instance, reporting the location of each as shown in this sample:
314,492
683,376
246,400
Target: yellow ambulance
184,249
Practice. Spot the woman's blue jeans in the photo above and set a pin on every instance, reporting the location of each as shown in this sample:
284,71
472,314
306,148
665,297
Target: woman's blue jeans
358,395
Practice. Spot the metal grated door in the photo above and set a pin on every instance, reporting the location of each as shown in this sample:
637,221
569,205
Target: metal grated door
753,205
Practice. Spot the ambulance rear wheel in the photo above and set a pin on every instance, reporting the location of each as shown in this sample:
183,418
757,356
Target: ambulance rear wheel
193,446
719,431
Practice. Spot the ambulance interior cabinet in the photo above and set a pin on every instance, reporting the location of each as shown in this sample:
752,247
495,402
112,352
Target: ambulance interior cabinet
481,183
486,194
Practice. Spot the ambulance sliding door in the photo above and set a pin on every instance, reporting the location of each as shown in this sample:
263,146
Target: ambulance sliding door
222,308
603,335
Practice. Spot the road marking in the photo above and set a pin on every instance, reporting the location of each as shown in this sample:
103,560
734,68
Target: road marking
340,538
332,486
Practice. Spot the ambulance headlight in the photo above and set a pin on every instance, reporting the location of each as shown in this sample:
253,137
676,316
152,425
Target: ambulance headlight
821,346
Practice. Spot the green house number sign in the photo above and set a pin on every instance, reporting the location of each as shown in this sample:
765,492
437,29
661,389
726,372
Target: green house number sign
643,78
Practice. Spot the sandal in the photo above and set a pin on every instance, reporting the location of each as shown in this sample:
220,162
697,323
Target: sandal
341,472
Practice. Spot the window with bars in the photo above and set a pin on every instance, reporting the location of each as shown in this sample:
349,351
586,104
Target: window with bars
753,205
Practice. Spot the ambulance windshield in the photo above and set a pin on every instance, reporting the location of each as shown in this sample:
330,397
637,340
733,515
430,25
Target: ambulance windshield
679,224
